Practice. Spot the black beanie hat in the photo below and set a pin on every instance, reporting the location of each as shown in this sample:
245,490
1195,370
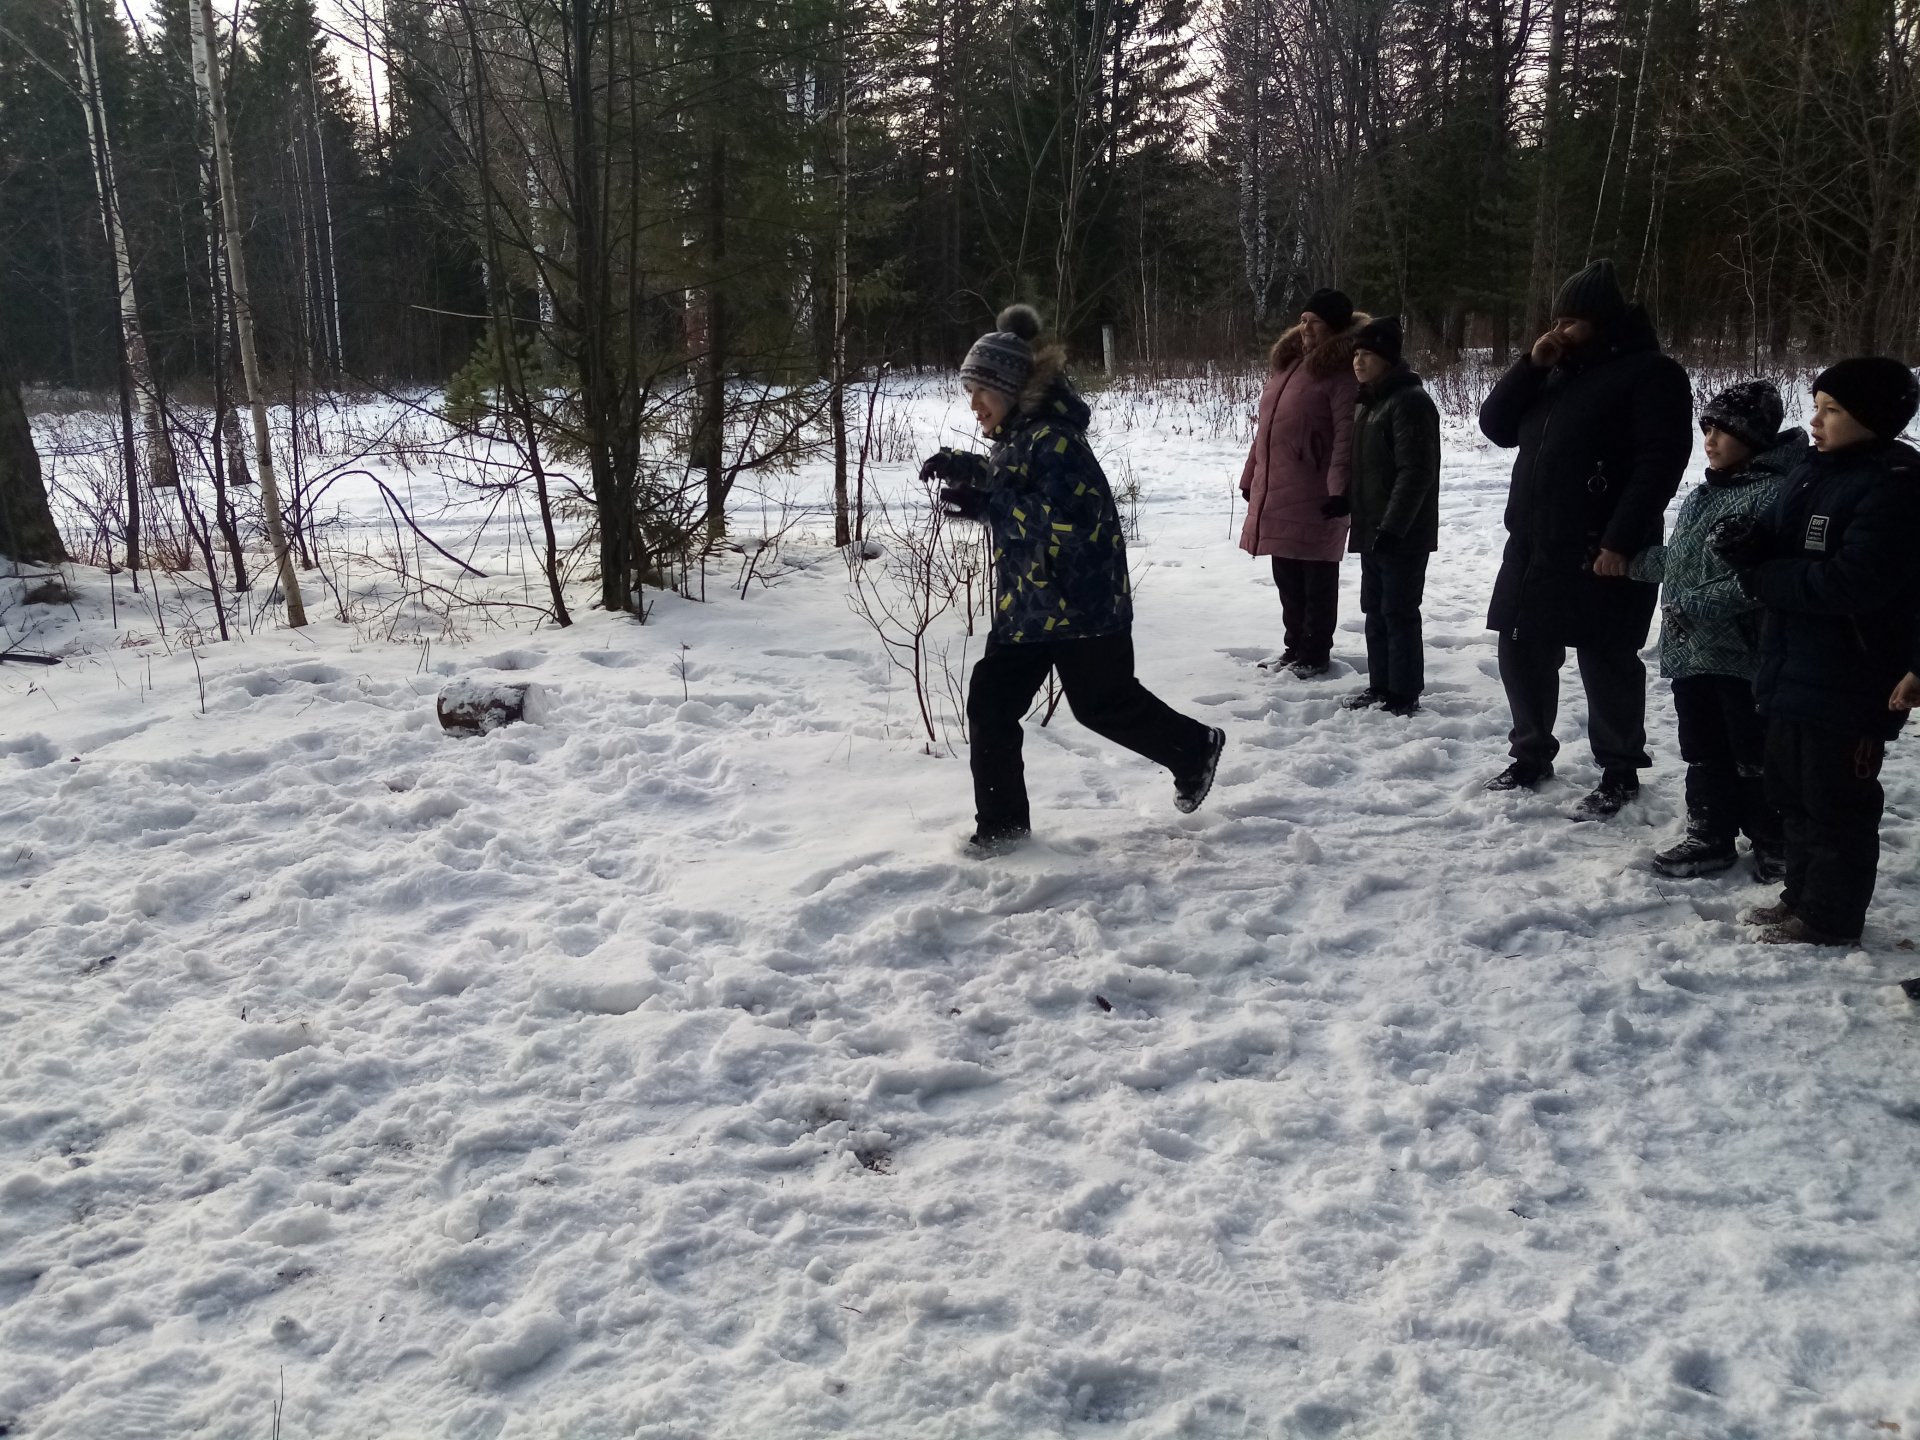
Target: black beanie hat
1591,294
1331,306
1880,393
1751,412
1002,359
1382,337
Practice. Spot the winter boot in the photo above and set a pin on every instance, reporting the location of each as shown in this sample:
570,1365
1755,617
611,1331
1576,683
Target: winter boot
1762,824
1706,850
1795,931
1364,699
1190,790
989,841
1401,705
1777,913
1305,669
1606,799
1769,862
1286,660
1520,775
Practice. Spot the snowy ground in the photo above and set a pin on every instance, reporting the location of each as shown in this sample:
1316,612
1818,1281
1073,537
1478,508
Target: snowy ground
663,1070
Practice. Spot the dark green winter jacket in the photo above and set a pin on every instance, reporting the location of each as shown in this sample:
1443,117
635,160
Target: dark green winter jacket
1059,554
1396,464
1711,626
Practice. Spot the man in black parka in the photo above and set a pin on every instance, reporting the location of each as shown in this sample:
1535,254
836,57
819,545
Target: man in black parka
1604,425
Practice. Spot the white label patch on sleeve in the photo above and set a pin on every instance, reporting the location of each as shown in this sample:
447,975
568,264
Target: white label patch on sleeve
1817,533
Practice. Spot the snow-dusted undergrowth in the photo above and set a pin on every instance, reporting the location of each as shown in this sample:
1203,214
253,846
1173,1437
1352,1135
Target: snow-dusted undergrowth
662,1069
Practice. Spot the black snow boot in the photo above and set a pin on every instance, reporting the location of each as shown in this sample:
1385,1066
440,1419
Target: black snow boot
996,840
1769,861
1520,775
1707,850
1190,790
1401,705
1364,699
1606,799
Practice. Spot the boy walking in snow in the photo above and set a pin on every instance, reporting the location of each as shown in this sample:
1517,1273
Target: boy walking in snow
1833,562
1395,494
1062,601
1710,636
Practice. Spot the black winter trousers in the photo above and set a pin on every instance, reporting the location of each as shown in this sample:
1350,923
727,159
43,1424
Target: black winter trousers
1616,684
1724,742
1309,606
1826,784
1391,588
1097,676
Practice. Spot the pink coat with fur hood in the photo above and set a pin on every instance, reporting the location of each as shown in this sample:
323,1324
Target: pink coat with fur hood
1302,449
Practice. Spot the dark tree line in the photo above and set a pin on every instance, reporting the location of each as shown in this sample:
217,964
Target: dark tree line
652,245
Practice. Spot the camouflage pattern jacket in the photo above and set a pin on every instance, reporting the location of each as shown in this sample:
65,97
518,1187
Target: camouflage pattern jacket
1711,626
1059,554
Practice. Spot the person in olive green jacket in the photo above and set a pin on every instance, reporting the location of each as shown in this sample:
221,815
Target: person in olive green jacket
1396,514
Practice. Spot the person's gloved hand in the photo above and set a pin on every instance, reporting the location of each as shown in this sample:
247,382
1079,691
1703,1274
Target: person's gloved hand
962,467
1337,506
1743,541
1385,542
1674,620
963,502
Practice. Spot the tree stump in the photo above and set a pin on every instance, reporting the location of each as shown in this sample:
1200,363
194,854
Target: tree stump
473,707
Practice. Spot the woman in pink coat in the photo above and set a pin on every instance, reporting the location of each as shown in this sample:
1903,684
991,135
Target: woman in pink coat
1295,482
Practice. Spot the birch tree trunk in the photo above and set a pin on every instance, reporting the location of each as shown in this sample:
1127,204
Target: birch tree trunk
161,470
206,71
842,521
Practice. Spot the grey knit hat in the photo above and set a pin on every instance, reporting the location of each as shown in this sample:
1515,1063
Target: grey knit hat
1591,294
1751,412
1002,359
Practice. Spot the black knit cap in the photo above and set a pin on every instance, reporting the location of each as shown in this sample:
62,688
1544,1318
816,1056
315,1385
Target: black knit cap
1751,412
1331,306
1591,294
1002,359
1382,337
1878,392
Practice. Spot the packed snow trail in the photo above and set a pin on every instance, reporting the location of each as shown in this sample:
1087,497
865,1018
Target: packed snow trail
663,1069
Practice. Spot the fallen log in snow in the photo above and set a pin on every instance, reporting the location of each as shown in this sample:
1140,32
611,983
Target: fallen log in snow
473,707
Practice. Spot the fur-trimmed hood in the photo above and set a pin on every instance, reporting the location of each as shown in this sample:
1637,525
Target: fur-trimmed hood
1327,358
1049,366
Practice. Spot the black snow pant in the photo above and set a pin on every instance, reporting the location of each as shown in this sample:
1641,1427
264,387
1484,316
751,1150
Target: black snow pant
1826,785
1616,684
1724,742
1097,675
1309,606
1391,587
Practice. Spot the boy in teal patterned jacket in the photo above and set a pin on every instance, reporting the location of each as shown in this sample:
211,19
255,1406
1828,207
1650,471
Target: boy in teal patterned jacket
1710,636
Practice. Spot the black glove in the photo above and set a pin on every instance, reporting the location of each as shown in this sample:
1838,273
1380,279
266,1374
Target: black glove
963,467
1336,507
1674,619
1743,541
1385,542
963,502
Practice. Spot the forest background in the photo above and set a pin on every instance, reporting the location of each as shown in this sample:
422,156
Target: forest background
645,247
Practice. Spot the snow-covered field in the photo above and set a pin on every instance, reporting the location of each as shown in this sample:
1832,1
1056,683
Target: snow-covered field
663,1069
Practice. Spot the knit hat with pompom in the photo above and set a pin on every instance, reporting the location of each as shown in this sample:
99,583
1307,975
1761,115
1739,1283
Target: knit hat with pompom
1002,359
